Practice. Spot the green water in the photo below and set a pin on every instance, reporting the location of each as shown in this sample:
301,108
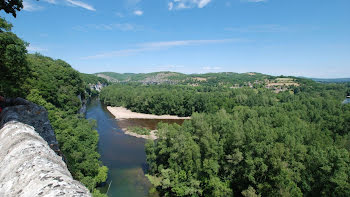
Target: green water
124,155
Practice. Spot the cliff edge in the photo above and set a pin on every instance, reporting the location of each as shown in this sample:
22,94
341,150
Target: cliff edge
29,155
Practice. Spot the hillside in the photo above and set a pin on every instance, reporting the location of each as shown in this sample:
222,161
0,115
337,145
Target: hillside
224,80
149,78
334,80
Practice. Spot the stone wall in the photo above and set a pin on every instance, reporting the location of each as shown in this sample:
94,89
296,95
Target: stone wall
29,155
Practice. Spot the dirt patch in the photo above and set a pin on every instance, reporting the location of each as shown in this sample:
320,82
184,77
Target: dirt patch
200,79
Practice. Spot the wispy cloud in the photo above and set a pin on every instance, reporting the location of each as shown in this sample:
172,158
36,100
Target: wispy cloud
138,12
269,28
183,4
272,28
174,68
80,4
151,46
31,6
209,68
51,1
185,43
108,27
132,2
33,49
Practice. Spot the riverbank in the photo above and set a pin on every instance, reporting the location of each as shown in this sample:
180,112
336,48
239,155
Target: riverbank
123,113
128,118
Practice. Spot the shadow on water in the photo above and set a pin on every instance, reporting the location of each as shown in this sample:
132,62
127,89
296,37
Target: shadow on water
124,155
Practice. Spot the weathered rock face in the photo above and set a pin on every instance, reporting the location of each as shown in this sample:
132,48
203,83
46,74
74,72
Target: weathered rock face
29,165
98,86
29,113
30,168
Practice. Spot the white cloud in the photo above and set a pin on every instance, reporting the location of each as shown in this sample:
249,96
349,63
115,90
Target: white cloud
260,28
80,4
30,6
209,68
151,46
183,43
183,4
51,1
272,28
114,26
33,49
170,5
203,3
138,12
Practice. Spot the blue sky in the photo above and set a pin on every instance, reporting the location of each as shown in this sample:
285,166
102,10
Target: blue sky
290,37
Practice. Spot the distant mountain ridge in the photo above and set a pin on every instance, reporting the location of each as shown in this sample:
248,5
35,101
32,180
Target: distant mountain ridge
168,77
331,80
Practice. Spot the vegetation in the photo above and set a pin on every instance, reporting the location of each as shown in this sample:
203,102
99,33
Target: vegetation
55,85
183,100
13,63
11,6
245,141
92,79
136,77
140,130
226,79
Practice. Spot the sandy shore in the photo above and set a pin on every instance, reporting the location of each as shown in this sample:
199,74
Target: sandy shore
123,113
151,136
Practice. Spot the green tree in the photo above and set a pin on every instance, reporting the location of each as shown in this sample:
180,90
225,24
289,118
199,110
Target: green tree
11,6
13,63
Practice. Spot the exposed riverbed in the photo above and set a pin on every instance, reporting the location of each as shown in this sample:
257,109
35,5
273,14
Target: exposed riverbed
124,155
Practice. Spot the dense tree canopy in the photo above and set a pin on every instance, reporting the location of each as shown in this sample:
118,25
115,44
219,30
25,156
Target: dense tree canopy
246,141
13,62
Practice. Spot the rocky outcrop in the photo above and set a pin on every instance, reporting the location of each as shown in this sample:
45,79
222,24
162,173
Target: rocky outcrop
98,86
28,162
83,102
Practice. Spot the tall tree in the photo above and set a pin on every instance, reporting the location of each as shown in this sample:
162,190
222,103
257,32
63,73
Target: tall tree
11,6
13,63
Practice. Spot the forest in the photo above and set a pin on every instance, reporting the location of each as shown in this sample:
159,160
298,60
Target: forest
55,85
245,141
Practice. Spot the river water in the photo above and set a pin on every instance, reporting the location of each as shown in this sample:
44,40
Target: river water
124,155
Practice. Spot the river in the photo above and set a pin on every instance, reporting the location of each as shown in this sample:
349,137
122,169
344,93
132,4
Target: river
124,155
